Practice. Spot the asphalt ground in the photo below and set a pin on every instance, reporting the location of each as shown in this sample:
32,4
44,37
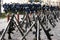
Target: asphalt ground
17,35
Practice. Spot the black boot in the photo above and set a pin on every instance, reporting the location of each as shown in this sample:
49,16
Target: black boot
9,37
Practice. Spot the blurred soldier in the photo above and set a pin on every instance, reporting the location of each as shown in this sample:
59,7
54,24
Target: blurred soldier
51,18
11,28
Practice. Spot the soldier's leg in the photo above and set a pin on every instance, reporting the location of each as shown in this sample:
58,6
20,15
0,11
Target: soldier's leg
9,36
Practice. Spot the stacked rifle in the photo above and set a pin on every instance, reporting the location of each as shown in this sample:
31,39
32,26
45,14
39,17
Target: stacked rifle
36,15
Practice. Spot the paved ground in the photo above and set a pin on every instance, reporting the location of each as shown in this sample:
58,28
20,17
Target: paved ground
30,36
